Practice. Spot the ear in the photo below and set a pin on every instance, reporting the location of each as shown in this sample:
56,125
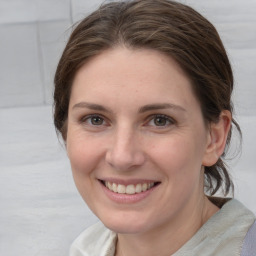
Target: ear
217,137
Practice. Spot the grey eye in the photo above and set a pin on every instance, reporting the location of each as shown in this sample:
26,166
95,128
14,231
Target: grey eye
160,121
96,120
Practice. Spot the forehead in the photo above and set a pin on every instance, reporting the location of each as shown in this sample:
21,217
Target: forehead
132,76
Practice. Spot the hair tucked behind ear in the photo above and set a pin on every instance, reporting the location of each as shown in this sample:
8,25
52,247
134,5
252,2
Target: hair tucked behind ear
166,26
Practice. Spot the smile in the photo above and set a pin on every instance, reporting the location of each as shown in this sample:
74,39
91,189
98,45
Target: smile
129,189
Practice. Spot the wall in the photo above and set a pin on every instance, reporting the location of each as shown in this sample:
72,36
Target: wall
33,34
41,211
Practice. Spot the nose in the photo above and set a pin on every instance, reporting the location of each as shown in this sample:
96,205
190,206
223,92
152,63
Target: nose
126,151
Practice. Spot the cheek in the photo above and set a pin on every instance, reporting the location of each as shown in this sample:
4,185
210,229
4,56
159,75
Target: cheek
83,153
175,153
180,159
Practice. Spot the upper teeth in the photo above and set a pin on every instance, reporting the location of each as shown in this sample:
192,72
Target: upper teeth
129,189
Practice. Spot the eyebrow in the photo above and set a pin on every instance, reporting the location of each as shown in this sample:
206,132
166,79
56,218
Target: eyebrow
151,107
143,109
91,106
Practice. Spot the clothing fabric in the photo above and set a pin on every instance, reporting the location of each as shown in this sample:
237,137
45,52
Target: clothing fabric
223,234
249,244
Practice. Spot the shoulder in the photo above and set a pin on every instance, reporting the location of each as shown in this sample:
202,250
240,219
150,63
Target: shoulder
97,240
241,225
249,245
233,222
223,233
229,226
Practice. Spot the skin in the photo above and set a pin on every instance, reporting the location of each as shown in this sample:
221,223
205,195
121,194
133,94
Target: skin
127,141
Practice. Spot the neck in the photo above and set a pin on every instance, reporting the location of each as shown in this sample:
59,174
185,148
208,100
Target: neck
167,239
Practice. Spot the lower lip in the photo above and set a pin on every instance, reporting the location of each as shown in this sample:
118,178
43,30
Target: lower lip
125,198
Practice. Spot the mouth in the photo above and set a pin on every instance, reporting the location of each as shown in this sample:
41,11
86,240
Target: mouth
129,189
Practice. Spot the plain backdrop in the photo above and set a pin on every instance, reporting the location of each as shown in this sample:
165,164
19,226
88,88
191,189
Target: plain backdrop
41,212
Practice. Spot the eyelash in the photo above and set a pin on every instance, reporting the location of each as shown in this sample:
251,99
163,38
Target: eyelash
151,118
85,119
166,118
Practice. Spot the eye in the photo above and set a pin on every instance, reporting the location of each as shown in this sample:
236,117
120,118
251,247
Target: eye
161,121
95,120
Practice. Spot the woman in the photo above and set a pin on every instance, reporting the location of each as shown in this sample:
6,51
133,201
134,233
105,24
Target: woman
143,103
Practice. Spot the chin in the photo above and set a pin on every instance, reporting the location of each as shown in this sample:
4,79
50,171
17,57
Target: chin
125,225
124,228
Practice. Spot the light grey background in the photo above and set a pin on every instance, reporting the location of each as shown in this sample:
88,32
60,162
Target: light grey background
40,210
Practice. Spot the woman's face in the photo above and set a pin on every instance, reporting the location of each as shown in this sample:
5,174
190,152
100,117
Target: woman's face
136,140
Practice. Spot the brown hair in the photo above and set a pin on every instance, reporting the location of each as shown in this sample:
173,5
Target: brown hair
172,28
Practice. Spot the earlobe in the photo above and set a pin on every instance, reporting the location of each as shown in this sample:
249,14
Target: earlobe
217,137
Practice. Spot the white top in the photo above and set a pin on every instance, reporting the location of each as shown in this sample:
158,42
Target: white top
222,234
